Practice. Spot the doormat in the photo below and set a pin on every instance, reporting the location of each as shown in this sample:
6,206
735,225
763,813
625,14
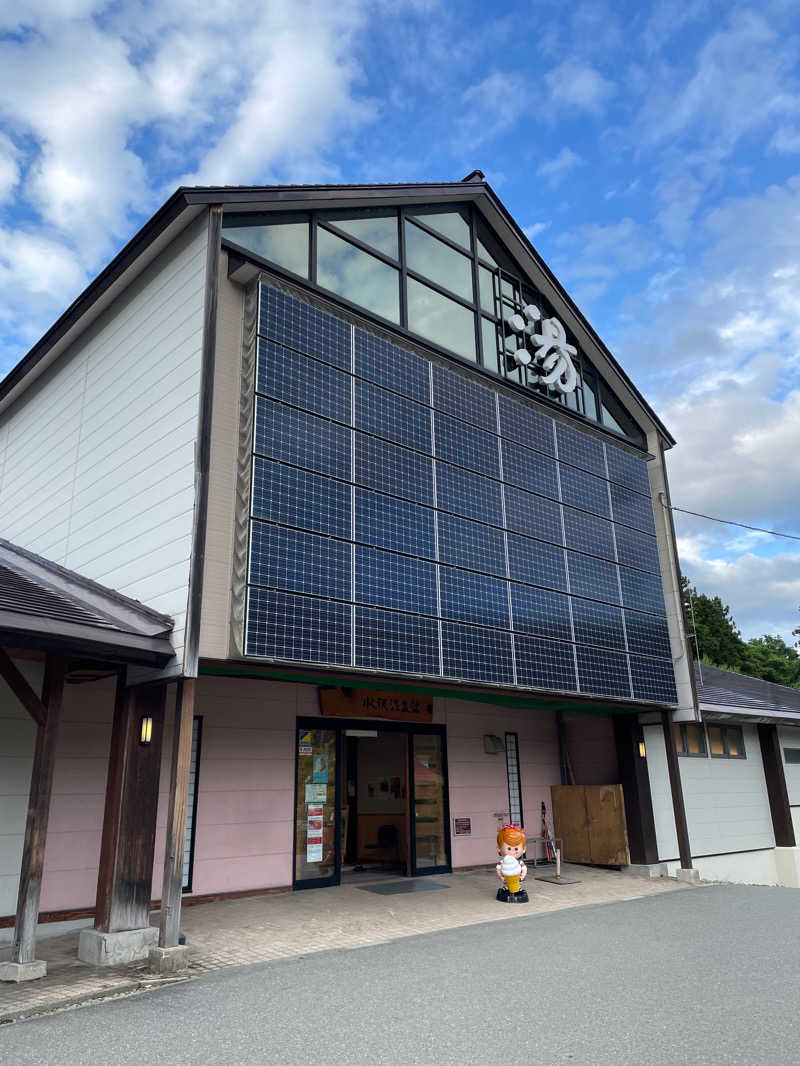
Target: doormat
395,888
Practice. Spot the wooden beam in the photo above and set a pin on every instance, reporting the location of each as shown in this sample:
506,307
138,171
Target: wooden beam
172,885
19,685
30,878
777,792
679,810
113,805
635,780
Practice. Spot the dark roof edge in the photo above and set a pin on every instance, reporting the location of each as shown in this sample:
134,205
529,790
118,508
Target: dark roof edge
187,196
127,614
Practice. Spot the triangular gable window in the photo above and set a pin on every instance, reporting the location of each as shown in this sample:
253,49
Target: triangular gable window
438,273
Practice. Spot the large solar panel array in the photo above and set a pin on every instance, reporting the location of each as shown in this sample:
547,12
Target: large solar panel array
407,519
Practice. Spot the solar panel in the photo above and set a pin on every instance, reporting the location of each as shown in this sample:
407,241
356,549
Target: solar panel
302,439
385,579
380,465
303,382
471,545
580,449
521,423
545,663
585,491
389,640
653,679
632,509
448,558
476,654
298,498
627,470
642,591
536,563
603,672
593,578
648,634
468,494
533,515
542,613
465,399
466,446
529,470
391,366
281,625
598,623
588,533
293,322
637,549
393,417
300,562
389,523
473,597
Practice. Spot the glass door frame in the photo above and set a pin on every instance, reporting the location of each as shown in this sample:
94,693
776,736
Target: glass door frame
338,726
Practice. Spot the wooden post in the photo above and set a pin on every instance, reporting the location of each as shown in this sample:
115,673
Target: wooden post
30,880
172,888
777,792
124,881
635,781
681,827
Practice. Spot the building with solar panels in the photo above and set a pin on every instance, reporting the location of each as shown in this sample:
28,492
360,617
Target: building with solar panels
410,520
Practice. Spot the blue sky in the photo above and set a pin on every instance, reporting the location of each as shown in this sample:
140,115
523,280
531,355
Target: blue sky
651,152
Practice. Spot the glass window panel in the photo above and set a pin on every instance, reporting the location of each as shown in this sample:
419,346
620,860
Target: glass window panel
486,285
491,356
715,740
315,838
610,421
695,740
589,400
439,262
377,230
283,243
734,738
678,738
452,224
357,276
429,802
441,320
484,253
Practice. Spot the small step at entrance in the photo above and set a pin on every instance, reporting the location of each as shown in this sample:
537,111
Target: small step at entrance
395,888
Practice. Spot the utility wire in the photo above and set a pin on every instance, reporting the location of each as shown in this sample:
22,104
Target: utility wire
728,522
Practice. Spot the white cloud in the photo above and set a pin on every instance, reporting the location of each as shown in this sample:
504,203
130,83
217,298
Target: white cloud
556,169
579,86
535,229
490,107
9,167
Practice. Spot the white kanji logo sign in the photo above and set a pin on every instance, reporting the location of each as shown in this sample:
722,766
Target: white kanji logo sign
553,356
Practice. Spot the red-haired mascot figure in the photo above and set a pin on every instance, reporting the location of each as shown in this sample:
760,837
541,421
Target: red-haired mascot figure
510,868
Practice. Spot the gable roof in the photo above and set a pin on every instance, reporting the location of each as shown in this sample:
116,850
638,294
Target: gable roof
46,607
722,693
188,202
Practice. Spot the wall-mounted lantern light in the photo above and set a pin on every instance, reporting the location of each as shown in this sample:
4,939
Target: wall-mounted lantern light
145,730
642,750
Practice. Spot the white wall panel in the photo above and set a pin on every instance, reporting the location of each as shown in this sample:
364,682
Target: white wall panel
97,458
727,809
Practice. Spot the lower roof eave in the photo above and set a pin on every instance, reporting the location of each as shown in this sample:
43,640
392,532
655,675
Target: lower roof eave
87,642
749,716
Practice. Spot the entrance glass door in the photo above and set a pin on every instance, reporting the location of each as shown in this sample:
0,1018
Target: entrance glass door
317,841
430,811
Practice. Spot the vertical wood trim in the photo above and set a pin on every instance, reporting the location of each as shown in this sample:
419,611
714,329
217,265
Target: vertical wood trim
635,781
777,792
30,880
681,827
113,805
172,885
203,447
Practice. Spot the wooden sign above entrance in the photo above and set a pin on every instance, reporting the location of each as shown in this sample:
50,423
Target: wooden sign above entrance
371,703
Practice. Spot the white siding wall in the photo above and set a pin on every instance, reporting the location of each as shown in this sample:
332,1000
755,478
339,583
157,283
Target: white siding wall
97,458
790,738
727,809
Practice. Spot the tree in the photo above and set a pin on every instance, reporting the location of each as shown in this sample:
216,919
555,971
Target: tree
773,659
718,638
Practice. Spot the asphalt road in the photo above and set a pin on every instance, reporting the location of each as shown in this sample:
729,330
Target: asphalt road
704,976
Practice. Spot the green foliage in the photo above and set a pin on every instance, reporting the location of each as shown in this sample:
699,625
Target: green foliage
719,642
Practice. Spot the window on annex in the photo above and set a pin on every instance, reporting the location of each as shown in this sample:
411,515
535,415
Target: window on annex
726,742
690,739
284,242
791,755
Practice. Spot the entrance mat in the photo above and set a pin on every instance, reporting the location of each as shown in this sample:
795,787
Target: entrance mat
395,888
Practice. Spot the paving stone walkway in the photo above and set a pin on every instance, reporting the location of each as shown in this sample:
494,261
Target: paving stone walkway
261,928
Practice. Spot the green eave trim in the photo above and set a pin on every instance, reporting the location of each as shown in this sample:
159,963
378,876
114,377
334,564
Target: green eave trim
499,699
